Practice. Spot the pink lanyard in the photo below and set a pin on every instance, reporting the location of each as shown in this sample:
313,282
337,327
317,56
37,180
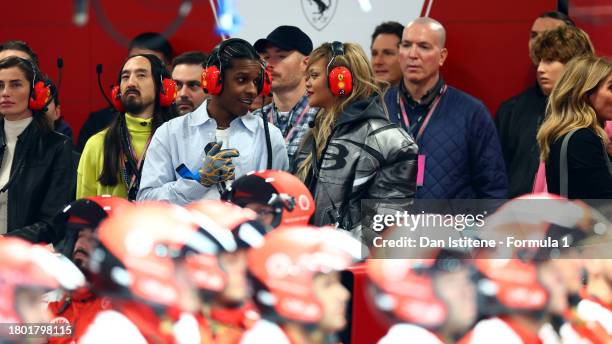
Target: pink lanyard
427,118
292,130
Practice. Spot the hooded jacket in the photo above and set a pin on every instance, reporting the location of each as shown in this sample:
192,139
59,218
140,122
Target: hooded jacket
365,157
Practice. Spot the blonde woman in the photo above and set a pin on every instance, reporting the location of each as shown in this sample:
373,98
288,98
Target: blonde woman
352,152
579,106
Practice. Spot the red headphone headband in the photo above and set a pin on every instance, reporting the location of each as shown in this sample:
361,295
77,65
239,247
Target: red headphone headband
212,76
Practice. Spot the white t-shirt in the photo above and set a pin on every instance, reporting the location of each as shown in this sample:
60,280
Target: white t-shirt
221,136
12,129
283,117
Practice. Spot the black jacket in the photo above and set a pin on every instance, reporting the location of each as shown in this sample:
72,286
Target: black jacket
43,179
95,123
366,157
63,127
518,120
588,174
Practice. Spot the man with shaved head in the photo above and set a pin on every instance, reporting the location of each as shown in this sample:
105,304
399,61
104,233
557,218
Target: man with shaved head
459,151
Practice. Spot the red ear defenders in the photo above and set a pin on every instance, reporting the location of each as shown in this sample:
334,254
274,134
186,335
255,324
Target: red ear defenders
266,87
40,95
339,79
167,94
212,82
116,98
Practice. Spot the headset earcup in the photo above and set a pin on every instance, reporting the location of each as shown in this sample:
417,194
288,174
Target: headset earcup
116,99
266,83
40,96
168,92
211,81
340,81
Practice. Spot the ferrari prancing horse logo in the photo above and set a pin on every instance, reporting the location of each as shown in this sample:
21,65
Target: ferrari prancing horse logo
319,13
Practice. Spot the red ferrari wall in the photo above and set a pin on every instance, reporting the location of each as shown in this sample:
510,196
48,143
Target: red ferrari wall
487,42
595,17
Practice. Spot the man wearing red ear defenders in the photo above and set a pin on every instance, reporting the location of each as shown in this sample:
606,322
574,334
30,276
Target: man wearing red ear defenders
111,163
220,139
144,43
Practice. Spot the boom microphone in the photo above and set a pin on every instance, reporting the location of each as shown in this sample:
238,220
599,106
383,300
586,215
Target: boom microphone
60,65
99,72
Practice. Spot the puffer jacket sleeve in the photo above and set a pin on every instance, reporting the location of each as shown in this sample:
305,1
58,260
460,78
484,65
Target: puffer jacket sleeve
396,176
486,159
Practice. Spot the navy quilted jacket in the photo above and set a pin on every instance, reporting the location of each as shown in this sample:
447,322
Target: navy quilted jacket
462,149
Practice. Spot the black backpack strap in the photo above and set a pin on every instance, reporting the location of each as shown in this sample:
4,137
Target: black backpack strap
607,159
268,139
563,169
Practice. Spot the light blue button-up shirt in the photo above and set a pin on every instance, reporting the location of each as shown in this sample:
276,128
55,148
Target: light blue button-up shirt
182,141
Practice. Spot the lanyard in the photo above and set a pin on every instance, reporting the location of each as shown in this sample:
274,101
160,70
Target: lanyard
289,135
140,161
433,107
131,182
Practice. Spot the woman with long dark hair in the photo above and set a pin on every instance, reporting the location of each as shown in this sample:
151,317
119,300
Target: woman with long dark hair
112,160
352,151
36,174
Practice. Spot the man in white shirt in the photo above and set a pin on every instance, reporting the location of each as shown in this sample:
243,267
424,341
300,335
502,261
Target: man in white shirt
240,137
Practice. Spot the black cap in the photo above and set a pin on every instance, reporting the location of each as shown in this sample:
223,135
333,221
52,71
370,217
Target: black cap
286,38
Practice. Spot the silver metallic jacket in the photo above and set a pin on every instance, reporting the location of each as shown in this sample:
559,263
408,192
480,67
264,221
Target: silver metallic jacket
366,157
